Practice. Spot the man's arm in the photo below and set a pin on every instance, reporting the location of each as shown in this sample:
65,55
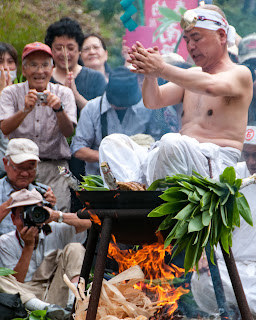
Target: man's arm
87,154
230,83
87,133
3,209
70,219
14,121
65,124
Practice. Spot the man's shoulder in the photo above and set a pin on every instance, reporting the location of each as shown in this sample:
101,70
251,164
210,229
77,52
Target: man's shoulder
7,237
91,73
17,87
59,89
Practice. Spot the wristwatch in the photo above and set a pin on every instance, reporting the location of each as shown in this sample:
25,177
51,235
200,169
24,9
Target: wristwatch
60,219
60,109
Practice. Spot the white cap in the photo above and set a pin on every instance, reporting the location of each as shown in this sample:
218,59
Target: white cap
250,135
21,150
25,197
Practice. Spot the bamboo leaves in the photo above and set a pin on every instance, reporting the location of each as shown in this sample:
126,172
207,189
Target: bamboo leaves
199,210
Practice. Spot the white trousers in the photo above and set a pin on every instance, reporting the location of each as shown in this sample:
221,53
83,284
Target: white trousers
174,153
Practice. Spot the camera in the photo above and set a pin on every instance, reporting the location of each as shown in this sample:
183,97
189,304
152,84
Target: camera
41,97
35,216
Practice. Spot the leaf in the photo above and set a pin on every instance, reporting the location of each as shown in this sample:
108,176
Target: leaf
170,14
228,176
205,240
206,199
223,216
174,196
154,185
206,218
212,204
224,238
166,224
181,230
193,197
167,208
182,10
185,212
6,271
224,197
244,209
195,224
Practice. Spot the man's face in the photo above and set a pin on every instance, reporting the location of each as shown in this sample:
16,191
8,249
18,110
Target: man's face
17,218
249,153
20,175
72,49
204,46
38,70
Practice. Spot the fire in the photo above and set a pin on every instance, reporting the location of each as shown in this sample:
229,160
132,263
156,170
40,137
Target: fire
159,276
94,218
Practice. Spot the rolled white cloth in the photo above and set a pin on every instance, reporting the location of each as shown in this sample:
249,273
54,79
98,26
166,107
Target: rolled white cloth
212,20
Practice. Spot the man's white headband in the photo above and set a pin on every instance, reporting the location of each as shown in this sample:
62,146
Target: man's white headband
250,135
207,19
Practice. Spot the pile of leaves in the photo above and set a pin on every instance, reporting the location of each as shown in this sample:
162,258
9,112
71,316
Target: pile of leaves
199,210
93,183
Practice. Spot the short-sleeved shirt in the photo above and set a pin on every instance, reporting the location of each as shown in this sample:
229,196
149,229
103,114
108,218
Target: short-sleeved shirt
89,133
11,246
41,124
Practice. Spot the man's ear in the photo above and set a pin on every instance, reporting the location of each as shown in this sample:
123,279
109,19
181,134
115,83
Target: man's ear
223,36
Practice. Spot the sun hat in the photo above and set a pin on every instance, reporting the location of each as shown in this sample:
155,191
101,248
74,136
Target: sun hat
25,197
35,46
21,150
123,88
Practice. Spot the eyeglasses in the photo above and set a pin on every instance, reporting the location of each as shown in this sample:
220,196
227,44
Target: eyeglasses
35,66
95,47
20,169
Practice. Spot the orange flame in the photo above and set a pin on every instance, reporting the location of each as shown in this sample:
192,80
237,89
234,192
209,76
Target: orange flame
94,218
159,276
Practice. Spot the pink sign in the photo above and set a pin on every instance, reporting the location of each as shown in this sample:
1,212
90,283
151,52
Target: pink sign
151,34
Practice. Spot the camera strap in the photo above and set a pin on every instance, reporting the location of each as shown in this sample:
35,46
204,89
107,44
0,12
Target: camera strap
18,237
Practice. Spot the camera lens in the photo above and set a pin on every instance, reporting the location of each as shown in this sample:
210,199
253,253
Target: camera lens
39,215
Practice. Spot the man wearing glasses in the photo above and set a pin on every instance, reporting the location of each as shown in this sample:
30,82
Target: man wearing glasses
20,163
43,112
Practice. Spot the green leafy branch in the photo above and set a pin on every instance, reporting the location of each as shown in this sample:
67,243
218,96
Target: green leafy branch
93,183
169,17
199,210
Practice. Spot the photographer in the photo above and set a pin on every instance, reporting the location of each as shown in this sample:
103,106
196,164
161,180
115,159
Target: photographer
45,113
20,164
40,259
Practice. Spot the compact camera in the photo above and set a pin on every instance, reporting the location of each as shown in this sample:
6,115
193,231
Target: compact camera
41,97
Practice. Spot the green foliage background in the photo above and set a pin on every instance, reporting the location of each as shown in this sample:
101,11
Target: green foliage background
24,21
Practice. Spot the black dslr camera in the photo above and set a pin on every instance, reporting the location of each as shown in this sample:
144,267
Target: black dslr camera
35,216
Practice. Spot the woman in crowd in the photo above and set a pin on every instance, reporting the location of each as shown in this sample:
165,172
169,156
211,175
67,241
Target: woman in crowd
8,69
94,54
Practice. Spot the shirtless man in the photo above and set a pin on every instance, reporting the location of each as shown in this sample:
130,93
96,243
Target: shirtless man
215,98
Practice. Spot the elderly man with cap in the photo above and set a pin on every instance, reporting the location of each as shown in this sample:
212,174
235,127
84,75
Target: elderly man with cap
215,96
119,110
41,249
243,245
20,163
45,113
